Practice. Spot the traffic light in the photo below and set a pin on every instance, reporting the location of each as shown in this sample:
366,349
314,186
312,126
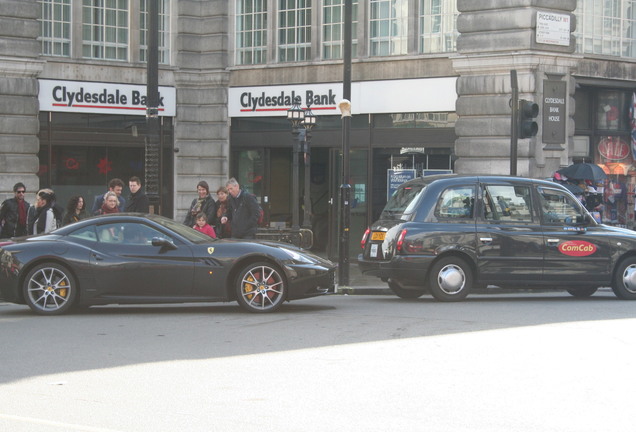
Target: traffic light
528,110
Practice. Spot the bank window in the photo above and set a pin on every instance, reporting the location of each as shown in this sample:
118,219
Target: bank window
507,203
456,203
55,27
606,28
388,24
163,30
251,32
438,26
294,30
426,120
105,29
333,28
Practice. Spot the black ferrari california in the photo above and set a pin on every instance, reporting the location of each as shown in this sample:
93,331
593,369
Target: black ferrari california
135,259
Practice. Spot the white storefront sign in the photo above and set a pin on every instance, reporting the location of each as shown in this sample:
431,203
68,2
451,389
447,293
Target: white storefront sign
367,97
553,29
102,98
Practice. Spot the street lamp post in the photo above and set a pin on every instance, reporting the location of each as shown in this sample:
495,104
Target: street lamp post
309,123
296,116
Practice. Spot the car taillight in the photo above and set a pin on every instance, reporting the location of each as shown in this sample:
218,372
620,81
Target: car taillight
365,237
400,241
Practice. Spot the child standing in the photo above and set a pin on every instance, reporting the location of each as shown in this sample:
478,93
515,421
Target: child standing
202,225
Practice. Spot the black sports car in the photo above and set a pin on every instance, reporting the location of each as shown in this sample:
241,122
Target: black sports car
135,259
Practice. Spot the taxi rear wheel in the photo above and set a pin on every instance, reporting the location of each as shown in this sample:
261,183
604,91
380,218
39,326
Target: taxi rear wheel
451,279
582,292
405,293
49,289
624,285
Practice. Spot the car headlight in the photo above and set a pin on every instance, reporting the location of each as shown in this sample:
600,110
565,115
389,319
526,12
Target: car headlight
297,256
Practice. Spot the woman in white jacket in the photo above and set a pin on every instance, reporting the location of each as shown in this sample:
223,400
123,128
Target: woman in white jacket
46,215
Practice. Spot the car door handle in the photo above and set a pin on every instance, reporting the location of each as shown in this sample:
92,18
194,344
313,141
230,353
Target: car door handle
485,239
97,257
553,242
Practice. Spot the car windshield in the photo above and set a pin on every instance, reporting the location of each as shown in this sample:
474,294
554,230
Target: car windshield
185,231
402,201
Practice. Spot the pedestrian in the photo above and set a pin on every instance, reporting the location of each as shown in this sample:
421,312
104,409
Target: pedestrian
202,225
138,200
46,215
13,213
75,210
204,203
110,204
223,230
115,185
243,213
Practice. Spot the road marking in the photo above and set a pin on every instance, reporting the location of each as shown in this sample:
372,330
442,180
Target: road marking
66,426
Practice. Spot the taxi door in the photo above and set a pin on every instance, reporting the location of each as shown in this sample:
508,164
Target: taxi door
509,235
572,253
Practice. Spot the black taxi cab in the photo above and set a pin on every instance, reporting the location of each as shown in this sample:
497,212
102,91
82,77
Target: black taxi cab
447,234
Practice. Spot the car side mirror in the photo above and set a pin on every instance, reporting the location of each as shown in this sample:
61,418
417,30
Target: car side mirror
163,242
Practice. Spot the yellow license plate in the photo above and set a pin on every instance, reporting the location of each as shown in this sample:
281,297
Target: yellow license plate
378,236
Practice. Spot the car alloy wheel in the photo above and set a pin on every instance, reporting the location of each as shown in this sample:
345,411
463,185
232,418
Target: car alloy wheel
261,287
49,289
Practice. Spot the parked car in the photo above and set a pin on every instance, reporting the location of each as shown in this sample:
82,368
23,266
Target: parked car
447,234
134,259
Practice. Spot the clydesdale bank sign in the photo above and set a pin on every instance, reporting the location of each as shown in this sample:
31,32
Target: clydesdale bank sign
102,98
367,97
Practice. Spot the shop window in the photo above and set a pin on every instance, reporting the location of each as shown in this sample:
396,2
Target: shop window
611,110
426,120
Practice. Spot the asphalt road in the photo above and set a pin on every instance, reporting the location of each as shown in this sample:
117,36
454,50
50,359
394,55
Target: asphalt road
523,362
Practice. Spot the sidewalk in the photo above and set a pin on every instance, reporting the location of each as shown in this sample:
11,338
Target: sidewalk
360,284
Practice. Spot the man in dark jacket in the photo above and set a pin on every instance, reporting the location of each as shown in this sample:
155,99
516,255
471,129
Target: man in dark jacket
13,213
243,211
138,200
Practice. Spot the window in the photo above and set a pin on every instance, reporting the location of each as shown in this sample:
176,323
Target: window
558,208
86,233
251,32
294,30
606,28
438,26
163,27
333,28
105,29
456,203
507,203
55,27
388,27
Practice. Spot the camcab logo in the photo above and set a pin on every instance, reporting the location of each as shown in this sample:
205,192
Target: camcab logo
577,248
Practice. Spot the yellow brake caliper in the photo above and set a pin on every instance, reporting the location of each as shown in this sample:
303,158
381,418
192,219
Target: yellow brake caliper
248,288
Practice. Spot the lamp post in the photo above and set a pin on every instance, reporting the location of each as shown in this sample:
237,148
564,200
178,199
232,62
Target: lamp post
309,123
295,115
345,187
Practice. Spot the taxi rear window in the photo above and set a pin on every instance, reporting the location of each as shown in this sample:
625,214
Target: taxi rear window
402,201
